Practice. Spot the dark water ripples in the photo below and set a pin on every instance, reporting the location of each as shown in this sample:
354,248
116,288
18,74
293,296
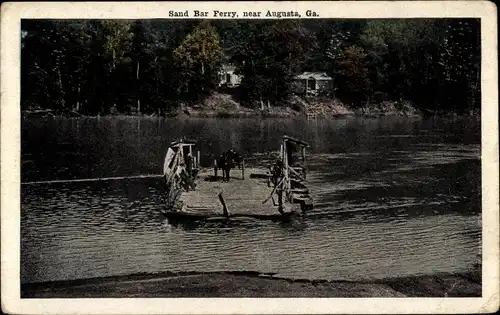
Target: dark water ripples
386,204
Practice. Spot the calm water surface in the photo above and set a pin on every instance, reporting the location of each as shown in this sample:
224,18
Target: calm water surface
393,197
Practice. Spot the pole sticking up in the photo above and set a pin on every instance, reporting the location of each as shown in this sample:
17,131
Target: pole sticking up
243,169
215,169
224,208
280,201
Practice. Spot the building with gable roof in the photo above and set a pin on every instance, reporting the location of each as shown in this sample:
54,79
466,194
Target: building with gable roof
312,83
227,76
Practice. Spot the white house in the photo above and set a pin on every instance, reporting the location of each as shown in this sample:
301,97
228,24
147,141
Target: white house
228,77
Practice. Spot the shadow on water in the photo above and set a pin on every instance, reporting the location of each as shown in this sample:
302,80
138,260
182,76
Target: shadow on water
289,222
438,187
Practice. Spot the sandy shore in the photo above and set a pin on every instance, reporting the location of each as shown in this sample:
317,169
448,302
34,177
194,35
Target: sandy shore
250,284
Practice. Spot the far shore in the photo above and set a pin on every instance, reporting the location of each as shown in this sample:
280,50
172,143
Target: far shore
285,114
253,284
223,105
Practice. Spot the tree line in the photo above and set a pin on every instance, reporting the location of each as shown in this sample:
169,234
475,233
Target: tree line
146,66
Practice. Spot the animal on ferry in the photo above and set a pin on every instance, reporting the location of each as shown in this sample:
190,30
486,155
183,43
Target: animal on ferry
227,161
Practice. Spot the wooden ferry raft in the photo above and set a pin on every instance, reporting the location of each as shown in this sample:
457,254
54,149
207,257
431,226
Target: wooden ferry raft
251,192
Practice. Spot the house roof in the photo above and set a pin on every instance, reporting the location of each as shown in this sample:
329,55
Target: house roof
315,75
228,68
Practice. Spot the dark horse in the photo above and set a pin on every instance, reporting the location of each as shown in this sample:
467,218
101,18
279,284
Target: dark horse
237,159
227,161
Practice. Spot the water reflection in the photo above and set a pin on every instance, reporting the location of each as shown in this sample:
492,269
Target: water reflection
392,197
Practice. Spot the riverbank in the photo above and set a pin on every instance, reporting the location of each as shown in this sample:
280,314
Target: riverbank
252,284
220,105
224,106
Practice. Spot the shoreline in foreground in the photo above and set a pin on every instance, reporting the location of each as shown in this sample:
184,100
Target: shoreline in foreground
253,284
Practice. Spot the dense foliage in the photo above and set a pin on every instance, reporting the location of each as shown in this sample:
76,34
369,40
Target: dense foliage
106,66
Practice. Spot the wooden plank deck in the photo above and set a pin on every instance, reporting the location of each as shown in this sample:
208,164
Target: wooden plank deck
242,196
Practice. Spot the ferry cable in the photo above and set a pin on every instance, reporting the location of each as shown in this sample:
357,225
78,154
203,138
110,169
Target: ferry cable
79,180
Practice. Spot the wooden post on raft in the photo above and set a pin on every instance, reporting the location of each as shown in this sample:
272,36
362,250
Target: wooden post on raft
280,201
243,169
304,161
224,208
198,158
286,173
215,169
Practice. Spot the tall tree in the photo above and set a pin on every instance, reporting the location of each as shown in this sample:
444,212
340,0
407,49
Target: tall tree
197,56
353,76
460,65
268,54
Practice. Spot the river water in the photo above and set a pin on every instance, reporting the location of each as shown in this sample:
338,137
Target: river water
393,197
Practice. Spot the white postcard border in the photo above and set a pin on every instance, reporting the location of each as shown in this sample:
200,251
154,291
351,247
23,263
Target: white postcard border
12,13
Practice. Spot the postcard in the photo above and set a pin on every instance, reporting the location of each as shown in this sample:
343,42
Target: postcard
313,157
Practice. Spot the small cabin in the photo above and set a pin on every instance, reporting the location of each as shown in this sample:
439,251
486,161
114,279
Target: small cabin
227,76
312,83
